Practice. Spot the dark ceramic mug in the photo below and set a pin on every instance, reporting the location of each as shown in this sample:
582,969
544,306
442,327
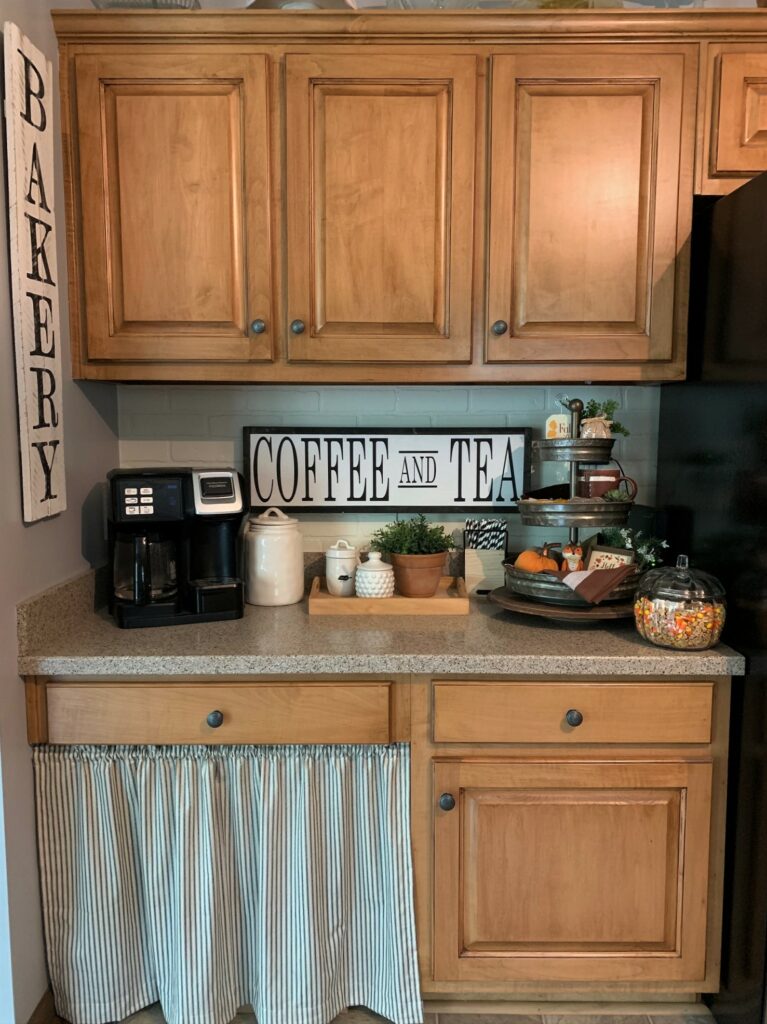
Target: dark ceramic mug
594,483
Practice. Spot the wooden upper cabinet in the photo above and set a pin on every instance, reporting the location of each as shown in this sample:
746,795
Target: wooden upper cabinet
174,196
734,118
570,871
590,204
380,200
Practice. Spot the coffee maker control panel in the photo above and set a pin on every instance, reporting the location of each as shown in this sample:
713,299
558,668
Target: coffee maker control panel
216,491
145,499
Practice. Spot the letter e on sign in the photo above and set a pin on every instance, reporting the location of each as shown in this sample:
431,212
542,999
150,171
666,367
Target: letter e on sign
29,105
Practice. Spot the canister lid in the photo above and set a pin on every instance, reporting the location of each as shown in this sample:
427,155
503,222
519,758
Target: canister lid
272,517
374,564
341,549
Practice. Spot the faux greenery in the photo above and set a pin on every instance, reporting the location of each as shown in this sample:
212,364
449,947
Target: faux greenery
649,549
411,537
606,409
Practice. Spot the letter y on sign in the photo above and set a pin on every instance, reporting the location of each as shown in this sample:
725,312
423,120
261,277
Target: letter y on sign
29,103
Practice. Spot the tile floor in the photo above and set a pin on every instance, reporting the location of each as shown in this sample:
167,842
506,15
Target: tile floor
663,1015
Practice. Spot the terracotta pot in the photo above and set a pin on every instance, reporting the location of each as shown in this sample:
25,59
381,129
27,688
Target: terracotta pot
418,575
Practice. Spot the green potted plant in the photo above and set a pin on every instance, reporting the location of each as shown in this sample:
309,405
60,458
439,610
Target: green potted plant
417,551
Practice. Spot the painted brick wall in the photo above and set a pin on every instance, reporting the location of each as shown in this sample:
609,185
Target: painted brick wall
202,426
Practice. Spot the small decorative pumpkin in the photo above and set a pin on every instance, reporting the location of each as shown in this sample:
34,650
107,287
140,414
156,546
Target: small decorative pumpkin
573,556
537,560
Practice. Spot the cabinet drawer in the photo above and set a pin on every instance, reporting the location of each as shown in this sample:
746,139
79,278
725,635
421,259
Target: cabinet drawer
252,713
488,712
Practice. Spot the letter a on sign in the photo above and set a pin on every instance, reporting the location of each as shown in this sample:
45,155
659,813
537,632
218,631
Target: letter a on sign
29,103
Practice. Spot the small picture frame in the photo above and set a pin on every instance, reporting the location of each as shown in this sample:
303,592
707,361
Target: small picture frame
603,557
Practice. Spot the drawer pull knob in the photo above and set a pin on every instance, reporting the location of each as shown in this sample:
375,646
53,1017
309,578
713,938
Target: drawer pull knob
499,328
258,326
298,327
215,719
573,718
447,801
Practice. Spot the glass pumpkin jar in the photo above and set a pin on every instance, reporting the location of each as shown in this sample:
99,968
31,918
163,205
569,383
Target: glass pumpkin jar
680,607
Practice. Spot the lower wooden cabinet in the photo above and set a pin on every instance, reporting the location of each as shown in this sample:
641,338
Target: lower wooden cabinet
571,871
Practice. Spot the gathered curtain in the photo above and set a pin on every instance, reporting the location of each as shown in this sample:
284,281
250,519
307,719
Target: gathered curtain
212,877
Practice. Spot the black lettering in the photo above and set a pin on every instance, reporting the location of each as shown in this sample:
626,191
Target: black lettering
459,442
404,477
33,90
38,250
332,466
310,466
378,467
47,466
42,327
482,469
263,498
354,469
507,476
45,397
36,178
430,466
280,448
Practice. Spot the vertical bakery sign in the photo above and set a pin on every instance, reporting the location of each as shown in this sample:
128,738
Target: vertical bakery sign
34,277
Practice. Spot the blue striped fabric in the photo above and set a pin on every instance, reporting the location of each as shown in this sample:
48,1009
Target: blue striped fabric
213,877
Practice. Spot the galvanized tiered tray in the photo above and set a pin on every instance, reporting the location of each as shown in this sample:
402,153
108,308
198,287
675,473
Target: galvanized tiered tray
547,588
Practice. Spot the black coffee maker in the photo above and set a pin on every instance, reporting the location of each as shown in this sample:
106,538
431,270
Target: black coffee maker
173,546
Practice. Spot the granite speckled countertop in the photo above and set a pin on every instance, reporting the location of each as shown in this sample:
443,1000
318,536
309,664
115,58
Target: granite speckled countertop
61,633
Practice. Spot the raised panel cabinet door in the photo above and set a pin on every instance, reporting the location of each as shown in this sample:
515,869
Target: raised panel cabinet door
587,212
380,188
576,871
174,194
736,117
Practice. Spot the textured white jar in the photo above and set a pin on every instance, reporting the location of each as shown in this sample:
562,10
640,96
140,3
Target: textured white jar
374,578
274,557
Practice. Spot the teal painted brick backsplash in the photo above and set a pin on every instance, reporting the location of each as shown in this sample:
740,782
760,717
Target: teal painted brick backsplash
202,426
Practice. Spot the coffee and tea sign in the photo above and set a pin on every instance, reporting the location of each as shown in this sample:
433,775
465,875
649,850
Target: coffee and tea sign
395,470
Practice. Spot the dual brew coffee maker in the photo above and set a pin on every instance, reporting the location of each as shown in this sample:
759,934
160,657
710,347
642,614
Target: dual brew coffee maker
173,546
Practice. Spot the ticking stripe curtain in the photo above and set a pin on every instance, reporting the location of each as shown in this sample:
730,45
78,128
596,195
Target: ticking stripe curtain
213,877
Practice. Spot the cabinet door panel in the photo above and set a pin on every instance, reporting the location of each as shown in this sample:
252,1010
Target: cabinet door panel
735,118
574,871
585,171
175,207
380,207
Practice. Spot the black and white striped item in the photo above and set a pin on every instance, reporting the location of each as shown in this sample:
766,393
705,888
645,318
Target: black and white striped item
213,877
488,534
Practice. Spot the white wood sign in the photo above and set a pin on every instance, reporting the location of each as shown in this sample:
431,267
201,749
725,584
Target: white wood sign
34,277
392,470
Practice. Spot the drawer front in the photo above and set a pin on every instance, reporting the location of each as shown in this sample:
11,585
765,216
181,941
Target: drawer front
488,712
252,713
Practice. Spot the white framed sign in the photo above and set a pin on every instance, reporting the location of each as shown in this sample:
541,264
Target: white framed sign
357,470
29,130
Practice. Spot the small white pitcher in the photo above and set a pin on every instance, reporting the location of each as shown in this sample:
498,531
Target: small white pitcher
340,567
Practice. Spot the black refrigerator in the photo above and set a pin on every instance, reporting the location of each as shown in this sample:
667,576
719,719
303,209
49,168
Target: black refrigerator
712,482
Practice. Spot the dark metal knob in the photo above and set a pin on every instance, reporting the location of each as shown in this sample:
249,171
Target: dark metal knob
573,717
258,326
298,327
447,801
499,327
215,719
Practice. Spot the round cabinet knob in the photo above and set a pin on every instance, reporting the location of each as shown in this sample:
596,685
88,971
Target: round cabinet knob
499,327
447,801
298,327
573,717
258,326
215,719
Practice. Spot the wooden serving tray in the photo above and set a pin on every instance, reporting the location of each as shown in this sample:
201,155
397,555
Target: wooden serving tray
451,599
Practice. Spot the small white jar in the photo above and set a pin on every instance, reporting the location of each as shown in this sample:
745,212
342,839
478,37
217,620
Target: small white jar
374,578
274,557
340,567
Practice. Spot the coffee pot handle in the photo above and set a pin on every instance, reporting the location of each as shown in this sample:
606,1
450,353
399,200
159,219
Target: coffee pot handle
631,486
142,573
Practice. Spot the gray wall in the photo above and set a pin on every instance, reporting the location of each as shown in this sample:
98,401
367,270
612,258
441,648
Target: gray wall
33,558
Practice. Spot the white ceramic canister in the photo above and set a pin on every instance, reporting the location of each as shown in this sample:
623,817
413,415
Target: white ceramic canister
340,567
374,578
274,556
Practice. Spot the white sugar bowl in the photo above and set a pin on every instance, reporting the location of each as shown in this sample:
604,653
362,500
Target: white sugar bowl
374,578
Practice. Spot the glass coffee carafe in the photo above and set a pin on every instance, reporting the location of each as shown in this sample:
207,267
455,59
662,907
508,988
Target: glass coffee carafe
144,568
